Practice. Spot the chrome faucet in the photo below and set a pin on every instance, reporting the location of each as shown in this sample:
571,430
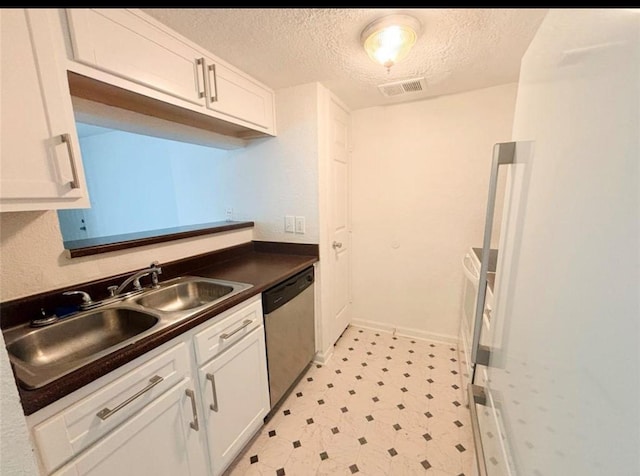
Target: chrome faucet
154,270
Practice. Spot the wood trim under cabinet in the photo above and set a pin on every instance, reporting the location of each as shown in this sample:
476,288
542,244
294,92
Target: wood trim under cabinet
94,90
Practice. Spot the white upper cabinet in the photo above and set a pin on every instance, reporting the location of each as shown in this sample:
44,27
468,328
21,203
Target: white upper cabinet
237,97
125,45
130,45
40,162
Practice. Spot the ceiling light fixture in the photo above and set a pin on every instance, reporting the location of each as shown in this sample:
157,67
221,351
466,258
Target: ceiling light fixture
389,39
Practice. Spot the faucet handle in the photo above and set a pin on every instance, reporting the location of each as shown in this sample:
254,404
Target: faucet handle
112,290
86,298
154,274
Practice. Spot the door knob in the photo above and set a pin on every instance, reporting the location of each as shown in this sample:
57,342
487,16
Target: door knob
336,245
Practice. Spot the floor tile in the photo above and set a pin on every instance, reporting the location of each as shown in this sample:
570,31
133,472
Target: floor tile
382,405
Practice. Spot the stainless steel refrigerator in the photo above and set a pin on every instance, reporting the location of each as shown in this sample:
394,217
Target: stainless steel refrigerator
557,376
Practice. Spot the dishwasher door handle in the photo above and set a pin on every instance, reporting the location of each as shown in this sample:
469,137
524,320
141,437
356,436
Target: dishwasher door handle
245,323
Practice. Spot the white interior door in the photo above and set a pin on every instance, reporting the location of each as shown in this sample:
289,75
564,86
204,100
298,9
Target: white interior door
340,216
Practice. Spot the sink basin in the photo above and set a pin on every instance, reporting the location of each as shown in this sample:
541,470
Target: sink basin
43,354
188,293
80,336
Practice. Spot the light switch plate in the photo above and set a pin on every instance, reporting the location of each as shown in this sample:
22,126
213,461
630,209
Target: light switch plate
289,224
299,224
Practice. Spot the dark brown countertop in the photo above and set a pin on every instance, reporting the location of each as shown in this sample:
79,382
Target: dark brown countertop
262,264
93,246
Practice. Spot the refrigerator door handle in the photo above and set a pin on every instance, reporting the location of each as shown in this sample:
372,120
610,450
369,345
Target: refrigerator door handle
477,397
503,154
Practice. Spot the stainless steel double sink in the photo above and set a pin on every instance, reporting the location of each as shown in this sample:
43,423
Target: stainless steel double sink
42,355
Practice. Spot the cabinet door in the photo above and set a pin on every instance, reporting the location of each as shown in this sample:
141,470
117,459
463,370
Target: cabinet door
160,440
124,44
238,97
40,163
235,398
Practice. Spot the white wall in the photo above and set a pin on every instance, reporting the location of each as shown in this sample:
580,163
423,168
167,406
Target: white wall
16,456
271,178
419,189
32,256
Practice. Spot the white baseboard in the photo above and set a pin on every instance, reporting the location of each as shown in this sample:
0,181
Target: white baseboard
323,357
406,331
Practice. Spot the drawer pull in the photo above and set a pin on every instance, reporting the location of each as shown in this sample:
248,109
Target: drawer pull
194,423
245,323
212,378
106,413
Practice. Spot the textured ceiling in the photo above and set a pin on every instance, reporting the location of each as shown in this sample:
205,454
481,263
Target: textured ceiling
458,49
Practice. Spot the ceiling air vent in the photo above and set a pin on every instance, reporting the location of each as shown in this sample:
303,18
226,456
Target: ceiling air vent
413,85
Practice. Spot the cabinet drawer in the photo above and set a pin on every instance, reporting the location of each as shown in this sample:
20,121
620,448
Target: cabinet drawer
78,426
226,332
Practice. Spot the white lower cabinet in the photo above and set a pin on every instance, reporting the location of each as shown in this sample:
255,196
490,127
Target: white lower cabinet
160,440
170,412
235,393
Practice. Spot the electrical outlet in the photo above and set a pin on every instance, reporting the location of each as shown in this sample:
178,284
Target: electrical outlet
289,224
300,225
229,214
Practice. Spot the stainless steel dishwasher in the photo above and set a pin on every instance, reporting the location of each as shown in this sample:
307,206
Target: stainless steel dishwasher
290,332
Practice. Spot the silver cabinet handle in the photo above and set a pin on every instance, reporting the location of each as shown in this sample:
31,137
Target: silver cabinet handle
245,323
75,182
214,82
336,245
106,413
211,378
194,410
200,76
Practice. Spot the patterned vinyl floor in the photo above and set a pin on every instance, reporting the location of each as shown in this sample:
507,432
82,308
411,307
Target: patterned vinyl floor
382,405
